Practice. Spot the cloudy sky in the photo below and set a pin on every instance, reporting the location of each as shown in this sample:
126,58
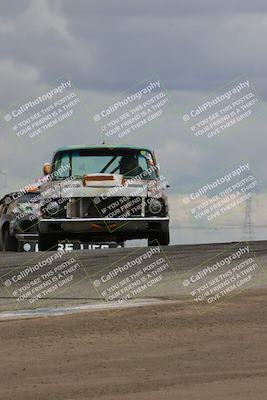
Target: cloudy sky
107,47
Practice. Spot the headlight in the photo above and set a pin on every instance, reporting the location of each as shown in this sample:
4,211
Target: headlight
155,206
52,208
24,209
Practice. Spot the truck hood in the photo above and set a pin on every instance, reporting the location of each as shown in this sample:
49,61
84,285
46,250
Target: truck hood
96,185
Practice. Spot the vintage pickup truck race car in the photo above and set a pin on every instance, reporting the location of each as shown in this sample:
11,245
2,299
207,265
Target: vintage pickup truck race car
103,193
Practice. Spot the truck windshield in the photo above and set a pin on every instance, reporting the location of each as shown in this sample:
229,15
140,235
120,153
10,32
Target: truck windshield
127,162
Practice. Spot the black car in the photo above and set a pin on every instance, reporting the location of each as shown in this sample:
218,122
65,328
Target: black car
18,219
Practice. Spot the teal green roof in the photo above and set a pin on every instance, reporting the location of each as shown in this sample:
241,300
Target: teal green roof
101,146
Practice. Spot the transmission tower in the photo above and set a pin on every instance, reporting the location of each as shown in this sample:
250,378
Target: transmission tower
248,232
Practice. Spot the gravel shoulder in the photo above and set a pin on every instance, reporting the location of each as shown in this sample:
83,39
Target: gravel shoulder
162,351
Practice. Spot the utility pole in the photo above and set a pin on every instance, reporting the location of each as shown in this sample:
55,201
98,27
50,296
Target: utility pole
3,179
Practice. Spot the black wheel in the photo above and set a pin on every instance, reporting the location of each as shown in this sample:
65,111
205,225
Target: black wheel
162,238
10,242
46,242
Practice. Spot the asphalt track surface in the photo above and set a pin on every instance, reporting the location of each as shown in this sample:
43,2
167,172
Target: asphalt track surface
168,349
78,287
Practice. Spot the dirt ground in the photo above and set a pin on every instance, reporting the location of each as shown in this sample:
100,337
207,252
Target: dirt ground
154,352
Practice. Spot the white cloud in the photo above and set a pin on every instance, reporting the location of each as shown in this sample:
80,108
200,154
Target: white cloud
6,27
43,16
16,79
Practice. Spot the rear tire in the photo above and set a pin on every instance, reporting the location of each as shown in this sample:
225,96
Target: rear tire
10,242
46,242
161,238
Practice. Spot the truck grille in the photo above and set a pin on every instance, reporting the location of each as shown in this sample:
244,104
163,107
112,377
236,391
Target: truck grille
111,207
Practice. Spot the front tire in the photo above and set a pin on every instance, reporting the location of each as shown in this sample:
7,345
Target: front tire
10,242
46,242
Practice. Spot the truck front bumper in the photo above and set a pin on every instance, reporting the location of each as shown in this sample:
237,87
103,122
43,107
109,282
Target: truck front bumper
97,225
